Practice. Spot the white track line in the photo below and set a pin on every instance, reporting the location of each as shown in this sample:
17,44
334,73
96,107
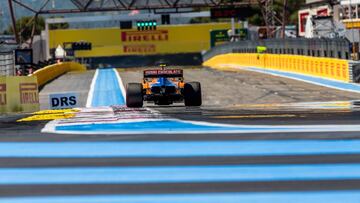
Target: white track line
279,74
92,88
121,85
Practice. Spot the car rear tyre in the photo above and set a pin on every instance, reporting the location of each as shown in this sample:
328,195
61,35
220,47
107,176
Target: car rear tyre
134,95
192,94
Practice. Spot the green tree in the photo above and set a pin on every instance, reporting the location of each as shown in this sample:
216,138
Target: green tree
24,26
58,25
292,9
294,6
257,18
197,20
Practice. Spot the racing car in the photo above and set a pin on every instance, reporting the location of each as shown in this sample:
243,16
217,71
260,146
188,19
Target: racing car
163,87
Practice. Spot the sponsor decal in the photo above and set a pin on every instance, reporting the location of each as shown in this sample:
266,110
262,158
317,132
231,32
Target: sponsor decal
29,93
145,36
63,101
2,94
163,72
142,48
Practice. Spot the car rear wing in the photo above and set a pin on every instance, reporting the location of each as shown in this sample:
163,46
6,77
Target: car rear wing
170,73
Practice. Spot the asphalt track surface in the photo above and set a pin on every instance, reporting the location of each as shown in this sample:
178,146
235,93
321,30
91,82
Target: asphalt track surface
232,87
275,166
77,82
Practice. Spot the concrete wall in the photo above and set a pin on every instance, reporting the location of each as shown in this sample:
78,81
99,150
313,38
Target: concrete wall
51,72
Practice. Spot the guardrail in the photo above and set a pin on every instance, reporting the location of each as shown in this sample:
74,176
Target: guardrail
327,58
328,48
51,72
337,69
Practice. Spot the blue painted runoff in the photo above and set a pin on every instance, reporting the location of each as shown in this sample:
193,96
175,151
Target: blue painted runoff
351,196
159,126
107,91
315,80
178,126
179,174
178,148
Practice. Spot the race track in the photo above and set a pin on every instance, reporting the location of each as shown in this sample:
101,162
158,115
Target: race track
257,138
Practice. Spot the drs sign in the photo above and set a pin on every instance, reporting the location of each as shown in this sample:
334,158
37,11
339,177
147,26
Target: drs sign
63,101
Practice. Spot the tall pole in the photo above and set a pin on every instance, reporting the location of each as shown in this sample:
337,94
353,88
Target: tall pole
232,28
269,17
33,30
283,23
47,42
13,21
352,30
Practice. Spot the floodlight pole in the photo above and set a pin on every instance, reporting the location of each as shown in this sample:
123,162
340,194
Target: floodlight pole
232,28
47,42
284,17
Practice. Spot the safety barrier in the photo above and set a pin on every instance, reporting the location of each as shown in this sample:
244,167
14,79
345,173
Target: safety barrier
19,94
51,72
328,48
337,69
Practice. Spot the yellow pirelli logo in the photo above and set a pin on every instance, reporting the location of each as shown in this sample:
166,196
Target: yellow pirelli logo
2,94
28,93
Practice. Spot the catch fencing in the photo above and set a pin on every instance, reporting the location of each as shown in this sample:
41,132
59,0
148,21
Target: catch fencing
326,58
329,48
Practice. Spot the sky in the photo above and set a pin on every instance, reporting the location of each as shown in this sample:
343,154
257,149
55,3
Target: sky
5,19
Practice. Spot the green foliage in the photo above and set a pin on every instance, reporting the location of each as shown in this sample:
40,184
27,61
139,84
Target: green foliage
205,20
257,18
6,32
292,9
58,25
24,26
199,20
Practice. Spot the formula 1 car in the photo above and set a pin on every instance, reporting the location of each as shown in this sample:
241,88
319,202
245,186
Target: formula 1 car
163,87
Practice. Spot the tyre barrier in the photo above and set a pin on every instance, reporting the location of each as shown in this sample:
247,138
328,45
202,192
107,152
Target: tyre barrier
330,68
53,71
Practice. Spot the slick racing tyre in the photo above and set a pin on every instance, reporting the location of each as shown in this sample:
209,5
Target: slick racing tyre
134,95
192,94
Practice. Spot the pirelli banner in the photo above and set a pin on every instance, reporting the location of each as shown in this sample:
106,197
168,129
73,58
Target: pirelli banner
169,39
19,94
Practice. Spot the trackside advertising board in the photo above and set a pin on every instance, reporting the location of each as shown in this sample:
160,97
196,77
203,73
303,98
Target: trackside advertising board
19,94
218,37
166,39
63,101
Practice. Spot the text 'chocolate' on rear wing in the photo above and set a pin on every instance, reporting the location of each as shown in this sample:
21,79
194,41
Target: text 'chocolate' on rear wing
163,73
